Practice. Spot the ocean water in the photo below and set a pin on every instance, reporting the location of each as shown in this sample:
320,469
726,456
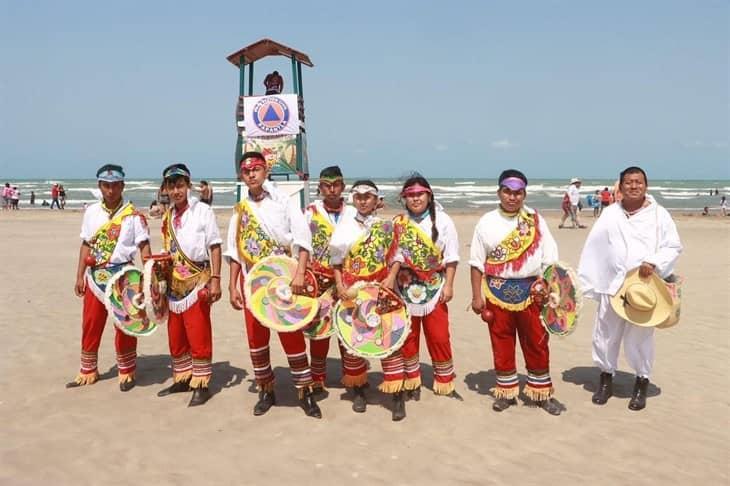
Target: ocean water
465,193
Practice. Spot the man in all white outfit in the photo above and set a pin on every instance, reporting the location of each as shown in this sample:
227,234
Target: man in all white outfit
636,233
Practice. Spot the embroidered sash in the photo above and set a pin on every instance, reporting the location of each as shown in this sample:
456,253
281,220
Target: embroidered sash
421,278
322,229
368,257
253,242
187,277
508,293
98,277
516,247
105,239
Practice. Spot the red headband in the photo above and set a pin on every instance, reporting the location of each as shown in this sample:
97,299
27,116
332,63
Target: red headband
415,189
250,162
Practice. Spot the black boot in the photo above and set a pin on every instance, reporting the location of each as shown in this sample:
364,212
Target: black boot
359,402
414,395
399,407
267,399
605,389
638,397
178,387
551,406
502,404
309,405
200,396
455,395
125,386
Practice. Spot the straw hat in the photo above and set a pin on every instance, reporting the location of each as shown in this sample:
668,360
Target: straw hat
645,302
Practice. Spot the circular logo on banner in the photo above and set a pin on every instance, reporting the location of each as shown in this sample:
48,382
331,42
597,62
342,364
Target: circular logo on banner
271,115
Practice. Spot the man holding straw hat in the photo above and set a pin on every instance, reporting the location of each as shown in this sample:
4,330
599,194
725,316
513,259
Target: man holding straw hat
631,247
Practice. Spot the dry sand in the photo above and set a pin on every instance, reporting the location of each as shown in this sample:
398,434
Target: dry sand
98,435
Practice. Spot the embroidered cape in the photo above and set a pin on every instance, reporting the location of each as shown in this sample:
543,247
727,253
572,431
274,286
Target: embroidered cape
367,259
516,247
253,242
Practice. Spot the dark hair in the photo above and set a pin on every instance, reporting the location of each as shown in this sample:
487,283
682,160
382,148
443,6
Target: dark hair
204,182
331,171
252,154
632,170
511,173
419,179
365,182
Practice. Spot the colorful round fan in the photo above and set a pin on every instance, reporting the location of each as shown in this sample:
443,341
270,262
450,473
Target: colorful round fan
321,327
124,300
268,294
560,313
156,276
373,324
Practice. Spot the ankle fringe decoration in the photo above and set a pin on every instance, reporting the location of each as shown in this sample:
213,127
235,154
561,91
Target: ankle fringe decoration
184,376
538,394
391,386
126,377
443,388
413,383
199,381
266,387
87,378
351,381
507,393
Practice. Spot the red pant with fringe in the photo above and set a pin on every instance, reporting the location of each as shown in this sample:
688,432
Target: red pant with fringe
318,350
93,320
190,337
438,341
294,347
534,343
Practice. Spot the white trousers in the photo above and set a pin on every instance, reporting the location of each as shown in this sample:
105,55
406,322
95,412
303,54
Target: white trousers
610,330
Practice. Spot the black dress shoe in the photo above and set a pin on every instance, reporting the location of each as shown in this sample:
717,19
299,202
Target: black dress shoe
605,389
267,399
309,405
200,396
455,395
414,395
502,404
399,407
359,402
177,387
125,386
73,384
551,406
638,397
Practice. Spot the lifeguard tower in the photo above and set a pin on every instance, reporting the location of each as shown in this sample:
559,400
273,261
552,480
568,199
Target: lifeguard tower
273,124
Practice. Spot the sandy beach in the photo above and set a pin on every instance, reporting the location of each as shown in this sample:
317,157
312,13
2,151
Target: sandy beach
98,435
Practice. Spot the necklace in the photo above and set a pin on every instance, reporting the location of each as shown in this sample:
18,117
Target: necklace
111,211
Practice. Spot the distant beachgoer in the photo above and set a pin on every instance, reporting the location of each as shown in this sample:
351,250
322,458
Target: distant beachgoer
573,198
606,198
706,211
274,83
206,193
6,195
723,205
62,196
45,203
54,196
32,198
594,201
14,198
155,211
163,198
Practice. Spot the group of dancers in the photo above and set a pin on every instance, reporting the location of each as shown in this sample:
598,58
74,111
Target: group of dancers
415,254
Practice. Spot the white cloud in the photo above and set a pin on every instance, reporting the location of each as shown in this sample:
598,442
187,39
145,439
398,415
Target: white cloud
441,147
503,144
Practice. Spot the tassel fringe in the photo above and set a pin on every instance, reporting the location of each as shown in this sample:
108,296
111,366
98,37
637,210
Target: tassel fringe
266,387
180,306
413,383
199,381
507,393
126,377
184,376
443,388
87,378
538,394
391,386
351,381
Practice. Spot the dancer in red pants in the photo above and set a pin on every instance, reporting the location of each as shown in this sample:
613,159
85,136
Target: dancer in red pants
112,231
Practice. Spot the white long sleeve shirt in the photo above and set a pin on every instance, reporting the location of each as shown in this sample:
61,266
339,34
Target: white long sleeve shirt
198,230
492,229
133,232
447,241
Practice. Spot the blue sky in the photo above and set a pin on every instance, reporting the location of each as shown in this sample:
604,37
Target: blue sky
556,88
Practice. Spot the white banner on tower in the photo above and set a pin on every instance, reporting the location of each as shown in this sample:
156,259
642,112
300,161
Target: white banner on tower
271,115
